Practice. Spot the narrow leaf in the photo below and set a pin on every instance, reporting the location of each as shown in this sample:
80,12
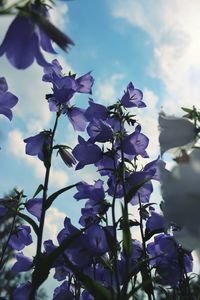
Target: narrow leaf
51,198
39,189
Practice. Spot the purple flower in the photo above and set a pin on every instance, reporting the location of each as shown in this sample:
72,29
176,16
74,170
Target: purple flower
85,83
86,153
156,165
28,34
100,131
144,192
7,99
22,292
133,97
87,191
97,242
22,44
86,296
96,111
167,259
21,237
77,118
154,224
63,292
64,88
23,263
136,143
38,144
34,207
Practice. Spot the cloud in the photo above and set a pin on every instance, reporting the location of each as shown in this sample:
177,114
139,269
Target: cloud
107,88
174,30
17,147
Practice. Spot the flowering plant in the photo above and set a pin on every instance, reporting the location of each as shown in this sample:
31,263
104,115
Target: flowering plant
110,254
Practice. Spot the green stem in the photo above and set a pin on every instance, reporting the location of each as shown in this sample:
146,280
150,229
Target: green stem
36,272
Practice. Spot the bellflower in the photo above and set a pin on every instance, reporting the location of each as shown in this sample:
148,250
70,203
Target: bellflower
96,111
132,97
22,44
100,131
87,191
97,241
28,35
64,291
175,132
23,263
22,292
38,144
77,118
167,255
34,207
7,99
86,153
64,87
154,224
20,237
136,143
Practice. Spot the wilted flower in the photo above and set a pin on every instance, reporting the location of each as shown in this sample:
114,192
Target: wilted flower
175,132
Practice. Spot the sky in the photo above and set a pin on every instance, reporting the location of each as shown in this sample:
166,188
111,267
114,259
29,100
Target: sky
155,44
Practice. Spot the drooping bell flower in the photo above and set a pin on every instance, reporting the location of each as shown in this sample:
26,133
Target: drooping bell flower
28,34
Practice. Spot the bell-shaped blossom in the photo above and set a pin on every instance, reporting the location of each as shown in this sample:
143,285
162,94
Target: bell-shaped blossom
167,256
63,292
85,83
132,97
34,207
86,153
154,224
88,191
155,165
86,295
38,144
175,132
64,88
7,99
136,143
100,131
20,237
22,43
67,157
97,241
77,118
181,191
23,263
22,292
96,111
137,252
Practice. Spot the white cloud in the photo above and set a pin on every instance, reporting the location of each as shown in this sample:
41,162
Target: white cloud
107,89
58,177
174,29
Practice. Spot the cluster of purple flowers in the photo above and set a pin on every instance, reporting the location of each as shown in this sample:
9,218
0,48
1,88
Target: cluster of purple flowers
98,250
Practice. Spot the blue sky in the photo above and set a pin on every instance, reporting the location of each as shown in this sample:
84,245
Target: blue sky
155,44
